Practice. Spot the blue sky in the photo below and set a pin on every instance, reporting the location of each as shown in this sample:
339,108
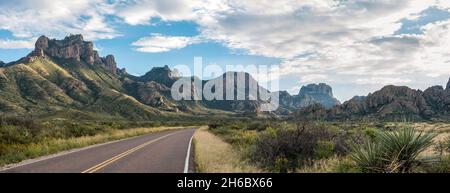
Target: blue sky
355,46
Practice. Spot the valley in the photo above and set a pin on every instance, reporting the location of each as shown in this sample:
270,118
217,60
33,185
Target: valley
63,95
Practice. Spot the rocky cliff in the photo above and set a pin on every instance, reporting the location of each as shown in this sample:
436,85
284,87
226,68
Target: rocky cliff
392,103
316,93
448,85
75,48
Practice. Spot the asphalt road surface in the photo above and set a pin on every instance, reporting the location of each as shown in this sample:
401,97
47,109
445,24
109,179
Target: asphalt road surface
162,152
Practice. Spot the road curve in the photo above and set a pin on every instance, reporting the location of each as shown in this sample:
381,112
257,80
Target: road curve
162,152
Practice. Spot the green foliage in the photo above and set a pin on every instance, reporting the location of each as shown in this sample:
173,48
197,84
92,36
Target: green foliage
324,149
395,151
295,147
346,166
370,132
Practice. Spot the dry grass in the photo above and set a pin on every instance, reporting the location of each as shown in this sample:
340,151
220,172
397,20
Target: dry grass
213,155
321,166
443,130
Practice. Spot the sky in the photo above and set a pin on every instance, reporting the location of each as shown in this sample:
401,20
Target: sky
356,46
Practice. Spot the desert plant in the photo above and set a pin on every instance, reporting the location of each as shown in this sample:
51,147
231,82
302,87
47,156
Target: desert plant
286,149
391,152
367,156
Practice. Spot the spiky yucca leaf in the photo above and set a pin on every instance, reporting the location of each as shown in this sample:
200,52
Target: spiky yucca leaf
366,156
392,151
401,148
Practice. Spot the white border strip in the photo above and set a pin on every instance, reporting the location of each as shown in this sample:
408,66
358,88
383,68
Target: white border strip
186,163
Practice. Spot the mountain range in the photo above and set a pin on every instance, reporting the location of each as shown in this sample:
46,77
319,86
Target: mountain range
389,103
67,78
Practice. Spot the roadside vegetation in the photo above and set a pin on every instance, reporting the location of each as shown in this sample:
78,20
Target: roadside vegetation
213,155
22,139
343,147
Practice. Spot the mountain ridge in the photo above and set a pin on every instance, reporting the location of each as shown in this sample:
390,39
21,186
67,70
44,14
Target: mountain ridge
69,77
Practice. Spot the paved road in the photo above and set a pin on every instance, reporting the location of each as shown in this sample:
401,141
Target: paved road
162,152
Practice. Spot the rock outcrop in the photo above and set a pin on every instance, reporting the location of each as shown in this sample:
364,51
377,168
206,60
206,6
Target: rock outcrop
72,47
448,85
110,63
161,75
2,63
393,103
316,93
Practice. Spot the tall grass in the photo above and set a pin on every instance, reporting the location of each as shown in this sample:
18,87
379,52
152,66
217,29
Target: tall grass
213,155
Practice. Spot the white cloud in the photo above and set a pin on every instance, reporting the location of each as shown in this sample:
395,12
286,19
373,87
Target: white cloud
313,78
27,18
142,11
382,81
16,44
344,41
159,43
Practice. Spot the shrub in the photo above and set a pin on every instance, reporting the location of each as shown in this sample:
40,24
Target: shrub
286,149
324,149
392,151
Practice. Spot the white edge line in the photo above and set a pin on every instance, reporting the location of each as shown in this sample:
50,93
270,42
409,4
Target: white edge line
186,163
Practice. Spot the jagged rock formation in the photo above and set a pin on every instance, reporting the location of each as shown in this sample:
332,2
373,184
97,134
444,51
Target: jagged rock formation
2,63
309,95
391,103
448,85
161,75
68,77
75,48
316,93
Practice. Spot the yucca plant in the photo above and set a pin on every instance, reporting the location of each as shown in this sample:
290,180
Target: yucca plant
367,156
392,151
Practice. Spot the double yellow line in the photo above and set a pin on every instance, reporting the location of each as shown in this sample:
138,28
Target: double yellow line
117,157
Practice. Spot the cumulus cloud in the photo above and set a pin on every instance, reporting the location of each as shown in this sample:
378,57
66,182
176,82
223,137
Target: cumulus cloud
160,43
338,41
28,19
136,12
16,44
382,81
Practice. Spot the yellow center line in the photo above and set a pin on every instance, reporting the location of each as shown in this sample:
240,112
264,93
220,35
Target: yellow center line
128,152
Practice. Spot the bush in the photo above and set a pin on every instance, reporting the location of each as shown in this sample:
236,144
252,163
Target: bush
392,151
286,149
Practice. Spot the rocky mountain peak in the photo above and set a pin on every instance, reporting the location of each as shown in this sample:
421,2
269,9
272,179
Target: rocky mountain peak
448,85
110,63
2,63
73,47
313,89
316,94
162,75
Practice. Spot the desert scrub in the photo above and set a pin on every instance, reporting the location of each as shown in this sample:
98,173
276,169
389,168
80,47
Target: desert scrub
16,152
288,149
214,155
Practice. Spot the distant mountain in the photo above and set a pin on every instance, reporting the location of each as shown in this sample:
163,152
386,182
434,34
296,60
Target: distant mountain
68,79
163,75
2,63
448,85
309,95
390,103
316,93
